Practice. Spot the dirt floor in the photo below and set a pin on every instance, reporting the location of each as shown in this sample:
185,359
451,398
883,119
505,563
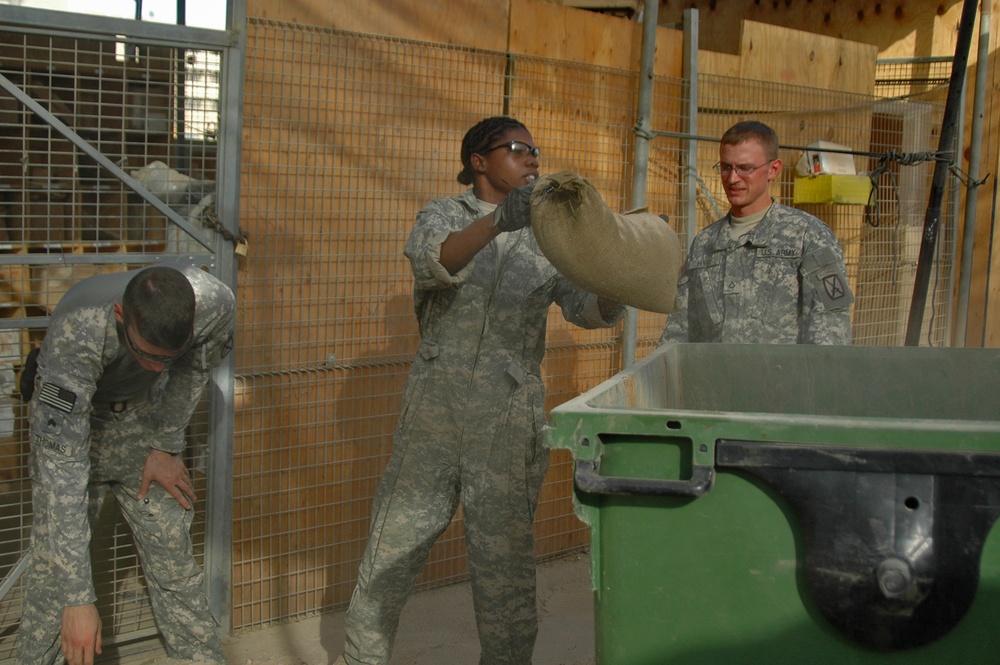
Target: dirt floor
437,628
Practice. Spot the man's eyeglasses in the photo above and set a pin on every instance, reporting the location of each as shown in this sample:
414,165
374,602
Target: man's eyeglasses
518,148
741,171
151,357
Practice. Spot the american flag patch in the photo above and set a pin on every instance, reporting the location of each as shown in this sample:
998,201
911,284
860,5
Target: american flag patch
57,398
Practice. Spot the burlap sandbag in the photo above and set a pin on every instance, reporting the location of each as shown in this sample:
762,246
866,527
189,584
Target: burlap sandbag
633,258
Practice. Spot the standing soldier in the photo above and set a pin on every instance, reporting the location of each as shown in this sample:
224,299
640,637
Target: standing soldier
474,406
765,273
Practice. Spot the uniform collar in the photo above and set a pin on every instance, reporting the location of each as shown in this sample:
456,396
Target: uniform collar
469,201
760,236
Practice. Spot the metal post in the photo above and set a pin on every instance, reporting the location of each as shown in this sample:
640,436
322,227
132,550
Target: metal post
219,510
932,219
972,196
640,168
691,117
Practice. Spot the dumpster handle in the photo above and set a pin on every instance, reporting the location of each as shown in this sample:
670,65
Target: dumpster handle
589,480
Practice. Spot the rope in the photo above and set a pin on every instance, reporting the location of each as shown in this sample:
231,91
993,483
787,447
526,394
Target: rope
644,133
884,160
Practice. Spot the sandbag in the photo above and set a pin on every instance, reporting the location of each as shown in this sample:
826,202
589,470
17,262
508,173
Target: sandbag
634,258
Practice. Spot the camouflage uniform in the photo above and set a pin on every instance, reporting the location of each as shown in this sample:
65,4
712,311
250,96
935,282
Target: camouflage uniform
469,430
782,283
94,417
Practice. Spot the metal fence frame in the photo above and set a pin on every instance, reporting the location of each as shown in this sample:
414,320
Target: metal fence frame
212,250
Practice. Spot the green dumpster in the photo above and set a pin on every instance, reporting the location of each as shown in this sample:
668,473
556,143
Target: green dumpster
792,504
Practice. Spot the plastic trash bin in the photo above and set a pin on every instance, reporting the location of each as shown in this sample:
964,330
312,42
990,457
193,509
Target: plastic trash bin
792,504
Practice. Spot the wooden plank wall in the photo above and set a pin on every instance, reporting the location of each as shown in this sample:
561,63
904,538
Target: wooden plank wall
476,23
548,31
986,263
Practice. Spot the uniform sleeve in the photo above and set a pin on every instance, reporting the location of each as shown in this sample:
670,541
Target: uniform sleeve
580,307
69,365
824,278
434,223
178,396
676,329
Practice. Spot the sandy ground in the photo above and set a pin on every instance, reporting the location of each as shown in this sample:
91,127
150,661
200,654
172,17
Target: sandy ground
437,628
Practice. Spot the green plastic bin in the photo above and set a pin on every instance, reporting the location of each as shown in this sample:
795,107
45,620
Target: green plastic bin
792,504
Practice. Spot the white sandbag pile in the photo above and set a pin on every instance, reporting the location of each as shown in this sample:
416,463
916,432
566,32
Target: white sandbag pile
634,258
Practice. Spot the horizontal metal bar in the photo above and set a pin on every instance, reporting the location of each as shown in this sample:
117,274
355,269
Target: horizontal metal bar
13,576
69,259
915,61
48,22
32,322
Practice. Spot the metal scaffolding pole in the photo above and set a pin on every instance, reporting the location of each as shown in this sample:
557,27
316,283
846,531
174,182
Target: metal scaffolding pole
972,197
691,118
932,219
640,170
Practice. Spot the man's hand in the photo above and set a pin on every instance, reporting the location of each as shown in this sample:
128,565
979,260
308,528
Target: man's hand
514,212
169,471
80,637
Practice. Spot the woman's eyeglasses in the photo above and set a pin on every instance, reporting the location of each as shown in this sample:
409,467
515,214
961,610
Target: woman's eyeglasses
517,147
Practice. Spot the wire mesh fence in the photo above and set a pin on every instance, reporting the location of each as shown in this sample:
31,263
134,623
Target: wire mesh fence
347,136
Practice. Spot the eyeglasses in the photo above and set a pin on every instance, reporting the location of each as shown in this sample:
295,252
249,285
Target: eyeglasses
151,357
517,147
741,171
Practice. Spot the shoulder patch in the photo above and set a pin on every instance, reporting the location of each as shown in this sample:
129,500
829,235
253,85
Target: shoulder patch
835,289
227,346
57,397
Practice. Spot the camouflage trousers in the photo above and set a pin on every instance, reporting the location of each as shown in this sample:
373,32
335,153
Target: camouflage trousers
161,530
497,479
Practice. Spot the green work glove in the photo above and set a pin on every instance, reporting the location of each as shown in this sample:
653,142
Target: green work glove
514,212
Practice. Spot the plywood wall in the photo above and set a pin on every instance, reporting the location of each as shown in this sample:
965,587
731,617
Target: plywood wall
783,55
984,309
901,28
478,23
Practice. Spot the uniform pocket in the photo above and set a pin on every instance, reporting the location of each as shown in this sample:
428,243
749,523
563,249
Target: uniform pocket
703,293
535,397
776,281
